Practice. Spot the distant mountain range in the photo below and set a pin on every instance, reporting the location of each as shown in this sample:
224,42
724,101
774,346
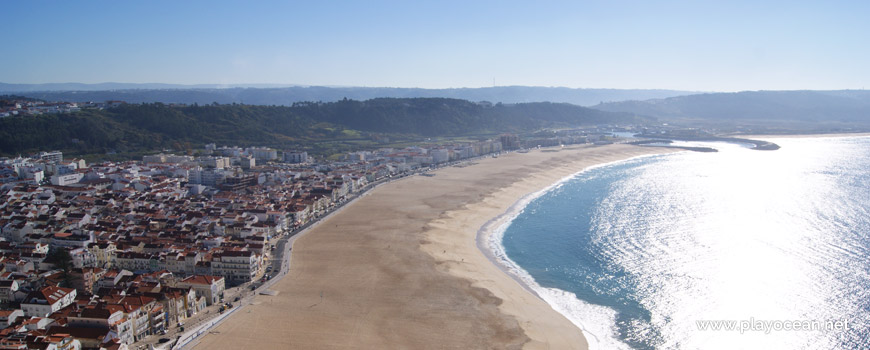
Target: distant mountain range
774,111
57,87
287,95
821,108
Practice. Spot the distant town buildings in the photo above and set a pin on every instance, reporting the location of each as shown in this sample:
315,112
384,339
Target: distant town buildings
26,107
509,141
296,157
262,154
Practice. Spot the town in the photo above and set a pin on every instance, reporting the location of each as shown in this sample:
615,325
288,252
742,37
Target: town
31,107
115,254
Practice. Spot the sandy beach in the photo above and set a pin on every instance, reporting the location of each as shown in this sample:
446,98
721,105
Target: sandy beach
791,136
400,268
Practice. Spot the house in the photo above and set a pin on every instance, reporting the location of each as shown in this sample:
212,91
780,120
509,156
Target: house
147,314
59,341
112,278
237,266
177,304
47,300
7,290
104,253
209,287
92,323
84,279
37,323
88,337
8,317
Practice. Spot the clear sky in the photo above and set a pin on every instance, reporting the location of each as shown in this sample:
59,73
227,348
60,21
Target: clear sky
687,45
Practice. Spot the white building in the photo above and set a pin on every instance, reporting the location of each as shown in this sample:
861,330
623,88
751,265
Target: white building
247,163
66,179
296,157
47,300
262,153
440,155
216,162
236,266
51,157
7,317
207,177
209,287
229,151
166,158
32,173
176,159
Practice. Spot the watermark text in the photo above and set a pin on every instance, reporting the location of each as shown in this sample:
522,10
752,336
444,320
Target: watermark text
767,326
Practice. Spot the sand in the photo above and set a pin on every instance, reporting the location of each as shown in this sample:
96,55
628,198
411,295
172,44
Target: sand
803,136
400,268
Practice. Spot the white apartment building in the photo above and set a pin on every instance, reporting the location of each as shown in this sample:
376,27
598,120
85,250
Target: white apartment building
296,157
262,153
67,179
440,155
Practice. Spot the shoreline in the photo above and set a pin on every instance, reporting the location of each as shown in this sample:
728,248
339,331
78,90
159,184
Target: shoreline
484,234
489,236
493,229
401,267
497,225
795,136
190,339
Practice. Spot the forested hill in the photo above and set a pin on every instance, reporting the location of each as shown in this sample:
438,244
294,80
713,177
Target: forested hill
450,117
143,127
823,108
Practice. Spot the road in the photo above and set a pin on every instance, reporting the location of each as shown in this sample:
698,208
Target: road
207,319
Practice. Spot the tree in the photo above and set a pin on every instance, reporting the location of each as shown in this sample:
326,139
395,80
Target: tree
62,260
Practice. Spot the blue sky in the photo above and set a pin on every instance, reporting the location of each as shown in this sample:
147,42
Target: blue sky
686,45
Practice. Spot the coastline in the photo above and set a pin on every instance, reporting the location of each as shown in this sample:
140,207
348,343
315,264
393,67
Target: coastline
489,238
402,268
493,219
794,136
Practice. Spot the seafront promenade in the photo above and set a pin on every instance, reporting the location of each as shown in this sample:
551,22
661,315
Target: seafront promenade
400,267
244,295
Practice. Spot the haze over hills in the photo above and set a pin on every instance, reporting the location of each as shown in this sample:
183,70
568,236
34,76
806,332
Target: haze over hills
57,87
148,127
287,95
841,108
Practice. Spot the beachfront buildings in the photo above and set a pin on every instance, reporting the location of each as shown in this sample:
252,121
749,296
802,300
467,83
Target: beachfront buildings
146,249
209,287
237,266
110,253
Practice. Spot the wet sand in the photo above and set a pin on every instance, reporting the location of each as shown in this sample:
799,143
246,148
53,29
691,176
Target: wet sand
400,268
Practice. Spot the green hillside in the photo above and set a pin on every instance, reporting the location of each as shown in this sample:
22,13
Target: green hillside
147,127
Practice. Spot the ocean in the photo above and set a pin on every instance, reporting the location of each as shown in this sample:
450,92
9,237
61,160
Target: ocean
738,249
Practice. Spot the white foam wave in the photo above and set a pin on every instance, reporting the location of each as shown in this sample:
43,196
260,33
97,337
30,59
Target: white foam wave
598,323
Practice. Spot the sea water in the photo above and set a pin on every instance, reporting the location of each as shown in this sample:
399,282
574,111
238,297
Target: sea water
739,249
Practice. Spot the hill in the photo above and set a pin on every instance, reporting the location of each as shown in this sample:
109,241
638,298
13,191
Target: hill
822,109
146,127
286,96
